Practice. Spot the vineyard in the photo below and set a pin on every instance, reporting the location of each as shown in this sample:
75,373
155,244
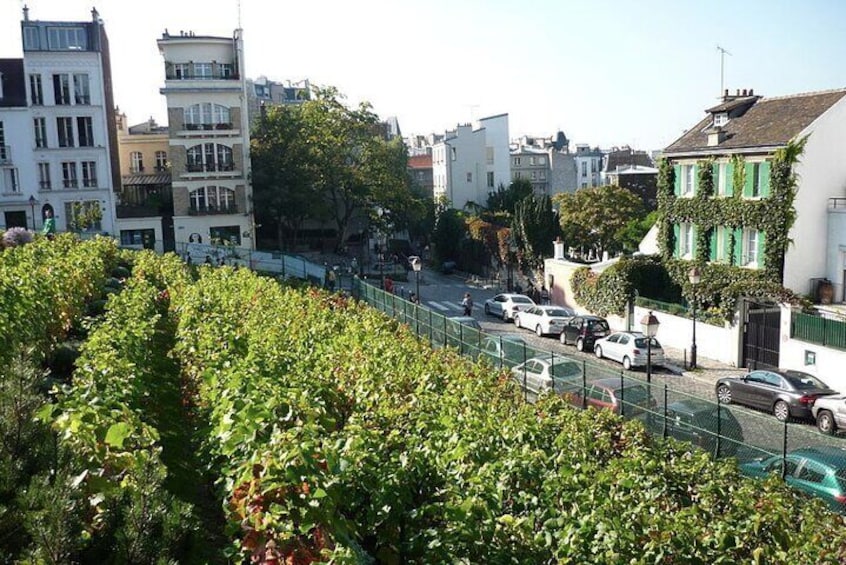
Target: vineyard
154,412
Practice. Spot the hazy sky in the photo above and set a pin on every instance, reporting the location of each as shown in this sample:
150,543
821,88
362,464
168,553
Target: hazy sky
605,72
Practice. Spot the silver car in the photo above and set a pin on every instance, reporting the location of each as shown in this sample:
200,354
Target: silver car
549,373
543,320
830,413
506,305
630,349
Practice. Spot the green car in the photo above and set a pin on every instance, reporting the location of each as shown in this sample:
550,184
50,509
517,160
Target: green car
818,471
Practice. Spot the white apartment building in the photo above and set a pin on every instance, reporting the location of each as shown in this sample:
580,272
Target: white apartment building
57,128
472,161
588,166
207,106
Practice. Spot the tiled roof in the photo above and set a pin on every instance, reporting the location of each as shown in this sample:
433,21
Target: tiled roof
420,162
154,178
768,122
618,159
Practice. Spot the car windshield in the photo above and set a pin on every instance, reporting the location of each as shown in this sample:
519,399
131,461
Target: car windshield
561,312
634,394
598,325
565,370
521,300
641,342
803,381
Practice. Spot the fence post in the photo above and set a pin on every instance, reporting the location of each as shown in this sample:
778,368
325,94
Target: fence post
664,426
444,330
622,395
525,390
784,452
719,430
584,384
461,339
430,328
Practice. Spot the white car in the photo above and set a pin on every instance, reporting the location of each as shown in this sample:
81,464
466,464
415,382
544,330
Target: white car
830,413
629,348
543,320
538,374
506,305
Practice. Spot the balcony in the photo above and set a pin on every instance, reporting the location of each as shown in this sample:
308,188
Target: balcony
209,127
171,75
5,155
209,167
70,183
212,210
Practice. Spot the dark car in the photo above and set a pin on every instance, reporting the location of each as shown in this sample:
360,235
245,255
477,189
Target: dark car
697,421
584,331
818,471
785,393
629,398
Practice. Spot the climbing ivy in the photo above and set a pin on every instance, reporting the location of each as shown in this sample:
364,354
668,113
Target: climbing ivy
666,182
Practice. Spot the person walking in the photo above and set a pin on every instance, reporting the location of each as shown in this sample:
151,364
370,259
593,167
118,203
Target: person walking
330,279
467,303
544,296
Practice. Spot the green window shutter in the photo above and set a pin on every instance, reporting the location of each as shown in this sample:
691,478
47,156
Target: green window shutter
765,178
695,172
677,186
713,255
738,246
676,233
693,231
747,186
729,179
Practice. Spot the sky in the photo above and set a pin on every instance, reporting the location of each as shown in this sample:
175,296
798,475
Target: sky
606,72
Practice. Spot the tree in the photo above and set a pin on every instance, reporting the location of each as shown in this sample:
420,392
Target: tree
535,227
506,199
450,231
592,218
635,230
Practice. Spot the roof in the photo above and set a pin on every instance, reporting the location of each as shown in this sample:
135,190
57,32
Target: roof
154,178
420,162
769,122
617,159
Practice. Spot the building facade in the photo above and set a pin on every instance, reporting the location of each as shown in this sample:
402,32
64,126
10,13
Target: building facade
531,164
59,143
209,139
420,169
588,166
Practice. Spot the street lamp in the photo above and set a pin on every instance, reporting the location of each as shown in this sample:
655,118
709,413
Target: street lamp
417,264
32,203
650,324
694,277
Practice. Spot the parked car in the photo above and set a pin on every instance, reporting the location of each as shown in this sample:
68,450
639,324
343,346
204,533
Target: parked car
696,421
830,413
543,320
630,349
507,305
463,332
584,331
785,393
818,471
506,350
549,372
629,398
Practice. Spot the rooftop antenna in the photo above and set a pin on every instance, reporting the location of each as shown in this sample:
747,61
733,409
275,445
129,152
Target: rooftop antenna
723,54
239,14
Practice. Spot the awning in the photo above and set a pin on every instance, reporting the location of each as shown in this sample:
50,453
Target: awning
154,178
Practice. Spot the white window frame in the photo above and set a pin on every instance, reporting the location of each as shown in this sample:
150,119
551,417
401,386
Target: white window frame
69,175
720,180
469,177
688,186
67,38
44,182
751,239
89,174
39,126
181,71
85,131
516,161
686,240
203,70
31,39
161,160
721,119
136,159
720,253
64,125
36,90
489,155
81,89
490,179
14,182
62,91
756,179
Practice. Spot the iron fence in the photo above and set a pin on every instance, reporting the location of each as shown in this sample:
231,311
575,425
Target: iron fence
817,329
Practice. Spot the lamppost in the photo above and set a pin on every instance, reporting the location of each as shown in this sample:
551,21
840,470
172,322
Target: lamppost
650,324
381,257
32,203
694,277
417,264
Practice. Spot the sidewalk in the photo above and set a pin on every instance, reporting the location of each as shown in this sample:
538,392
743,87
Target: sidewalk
707,370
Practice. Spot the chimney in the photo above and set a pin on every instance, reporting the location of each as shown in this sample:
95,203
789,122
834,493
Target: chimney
751,92
744,92
716,135
95,15
558,249
26,13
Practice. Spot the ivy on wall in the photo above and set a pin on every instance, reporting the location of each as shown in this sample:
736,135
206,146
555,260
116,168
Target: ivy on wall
666,182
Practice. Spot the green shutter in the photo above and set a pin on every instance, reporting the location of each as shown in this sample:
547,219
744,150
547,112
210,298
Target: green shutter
676,233
693,230
695,172
677,186
765,178
713,255
729,179
738,246
747,186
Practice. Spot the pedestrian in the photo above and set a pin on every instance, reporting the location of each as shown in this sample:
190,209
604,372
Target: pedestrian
389,285
330,280
414,298
467,303
208,260
49,223
354,265
544,296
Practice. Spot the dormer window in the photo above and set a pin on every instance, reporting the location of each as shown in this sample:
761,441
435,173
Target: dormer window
721,119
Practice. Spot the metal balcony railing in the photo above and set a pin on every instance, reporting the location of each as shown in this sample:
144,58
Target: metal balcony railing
212,210
209,167
208,127
5,155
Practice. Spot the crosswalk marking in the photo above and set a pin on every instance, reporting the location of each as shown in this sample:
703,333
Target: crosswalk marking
446,306
437,305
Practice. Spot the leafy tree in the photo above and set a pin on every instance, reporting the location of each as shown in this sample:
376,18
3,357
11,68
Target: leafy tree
450,231
592,218
635,230
506,199
535,227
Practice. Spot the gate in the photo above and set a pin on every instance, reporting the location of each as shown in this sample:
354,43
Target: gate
761,335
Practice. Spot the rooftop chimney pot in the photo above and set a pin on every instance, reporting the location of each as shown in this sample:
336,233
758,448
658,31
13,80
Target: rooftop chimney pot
26,13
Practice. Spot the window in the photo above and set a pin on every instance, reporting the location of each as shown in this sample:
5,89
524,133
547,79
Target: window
720,253
40,127
584,185
44,176
212,199
65,127
85,131
145,238
210,157
686,240
489,155
36,91
756,180
30,38
721,119
490,179
84,215
227,70
720,180
181,70
542,160
206,116
534,175
13,183
202,70
220,234
593,164
584,169
531,160
89,174
469,177
67,38
750,248
688,173
542,175
3,149
136,162
224,158
161,161
453,153
61,89
69,178
81,89
516,161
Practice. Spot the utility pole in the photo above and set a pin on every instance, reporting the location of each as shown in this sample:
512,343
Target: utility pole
723,54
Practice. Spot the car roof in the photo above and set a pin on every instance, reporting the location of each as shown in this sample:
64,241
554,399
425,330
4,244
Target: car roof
826,454
462,319
614,383
692,406
513,294
507,337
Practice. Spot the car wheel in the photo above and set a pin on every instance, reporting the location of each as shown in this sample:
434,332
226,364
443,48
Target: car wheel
598,352
539,331
487,310
724,394
563,338
781,411
825,422
627,363
580,344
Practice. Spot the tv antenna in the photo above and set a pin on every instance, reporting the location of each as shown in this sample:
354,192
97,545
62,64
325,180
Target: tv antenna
723,54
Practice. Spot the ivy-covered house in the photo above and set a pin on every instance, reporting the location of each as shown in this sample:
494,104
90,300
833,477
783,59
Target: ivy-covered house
752,185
